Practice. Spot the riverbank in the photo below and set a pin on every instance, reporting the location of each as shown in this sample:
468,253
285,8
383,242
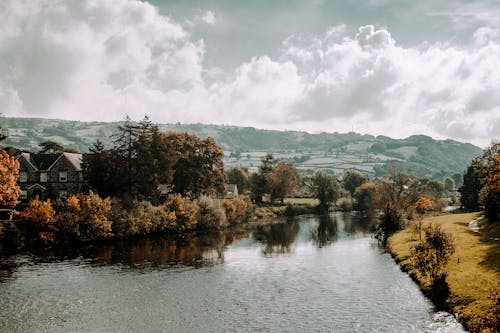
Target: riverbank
473,272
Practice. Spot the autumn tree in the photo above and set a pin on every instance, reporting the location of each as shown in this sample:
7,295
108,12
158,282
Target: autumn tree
352,179
9,172
240,177
325,188
142,158
476,173
282,181
367,196
40,217
195,164
490,193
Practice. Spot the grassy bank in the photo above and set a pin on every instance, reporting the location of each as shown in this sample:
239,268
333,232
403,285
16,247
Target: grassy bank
473,272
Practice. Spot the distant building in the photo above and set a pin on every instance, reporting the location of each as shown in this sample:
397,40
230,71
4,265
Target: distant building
49,175
231,191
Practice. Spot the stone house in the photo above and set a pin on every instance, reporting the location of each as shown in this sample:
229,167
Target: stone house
231,191
49,175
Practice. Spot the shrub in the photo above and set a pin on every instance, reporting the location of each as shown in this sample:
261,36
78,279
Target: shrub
211,215
86,217
431,255
185,212
40,216
137,220
238,210
345,204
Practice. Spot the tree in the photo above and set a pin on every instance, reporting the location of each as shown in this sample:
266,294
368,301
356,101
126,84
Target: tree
50,147
431,255
282,181
258,181
398,196
367,196
352,179
471,186
103,170
41,217
240,177
9,172
490,193
325,188
475,176
195,165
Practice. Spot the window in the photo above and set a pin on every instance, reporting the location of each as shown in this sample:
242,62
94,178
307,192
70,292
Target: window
43,177
63,176
63,194
23,195
23,176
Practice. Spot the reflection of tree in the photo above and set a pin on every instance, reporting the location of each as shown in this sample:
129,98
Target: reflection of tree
191,249
359,223
277,238
326,233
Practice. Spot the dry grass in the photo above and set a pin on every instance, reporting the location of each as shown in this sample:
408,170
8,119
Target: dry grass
302,201
473,271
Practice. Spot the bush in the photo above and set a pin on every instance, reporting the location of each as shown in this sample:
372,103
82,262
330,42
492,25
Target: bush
86,217
238,210
211,215
139,219
345,204
431,254
184,210
40,218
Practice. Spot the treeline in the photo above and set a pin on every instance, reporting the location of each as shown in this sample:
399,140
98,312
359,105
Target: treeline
142,158
88,217
148,182
481,183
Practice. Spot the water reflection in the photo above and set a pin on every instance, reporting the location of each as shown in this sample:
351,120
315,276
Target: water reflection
326,232
277,238
191,249
356,223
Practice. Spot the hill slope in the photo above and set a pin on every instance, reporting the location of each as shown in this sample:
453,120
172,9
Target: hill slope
245,146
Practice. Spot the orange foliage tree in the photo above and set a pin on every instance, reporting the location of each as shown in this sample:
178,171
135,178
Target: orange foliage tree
282,181
41,217
9,171
490,194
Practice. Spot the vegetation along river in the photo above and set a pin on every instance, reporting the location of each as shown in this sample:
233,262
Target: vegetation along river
312,274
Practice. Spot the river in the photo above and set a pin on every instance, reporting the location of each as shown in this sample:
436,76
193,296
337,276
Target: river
311,274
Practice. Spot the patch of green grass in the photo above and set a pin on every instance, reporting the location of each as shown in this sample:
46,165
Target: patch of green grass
473,271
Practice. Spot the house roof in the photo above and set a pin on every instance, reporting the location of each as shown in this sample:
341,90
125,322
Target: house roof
47,161
27,158
75,159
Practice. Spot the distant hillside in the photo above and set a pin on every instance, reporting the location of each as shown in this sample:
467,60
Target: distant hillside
245,146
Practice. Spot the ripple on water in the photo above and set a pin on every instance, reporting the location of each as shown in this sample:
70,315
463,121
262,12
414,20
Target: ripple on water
345,286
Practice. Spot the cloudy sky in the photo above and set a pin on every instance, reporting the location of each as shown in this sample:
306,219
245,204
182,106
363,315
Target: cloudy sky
392,67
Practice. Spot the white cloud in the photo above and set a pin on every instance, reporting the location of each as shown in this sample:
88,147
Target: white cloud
100,60
81,59
209,18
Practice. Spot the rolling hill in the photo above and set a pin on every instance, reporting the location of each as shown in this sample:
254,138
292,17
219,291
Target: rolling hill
245,146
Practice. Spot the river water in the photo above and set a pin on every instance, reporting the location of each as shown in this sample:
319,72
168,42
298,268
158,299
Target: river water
312,274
